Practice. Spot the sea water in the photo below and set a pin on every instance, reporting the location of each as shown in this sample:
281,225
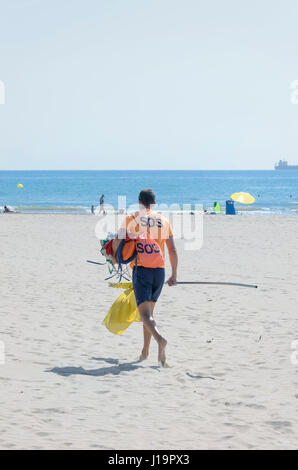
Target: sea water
75,191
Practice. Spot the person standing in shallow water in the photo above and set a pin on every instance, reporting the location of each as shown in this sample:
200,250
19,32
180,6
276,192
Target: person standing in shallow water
149,281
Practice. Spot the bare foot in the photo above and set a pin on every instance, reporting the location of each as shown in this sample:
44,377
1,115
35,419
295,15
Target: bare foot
162,352
164,365
143,357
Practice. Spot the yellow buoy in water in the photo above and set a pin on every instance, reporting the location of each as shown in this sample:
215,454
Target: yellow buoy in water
244,198
20,186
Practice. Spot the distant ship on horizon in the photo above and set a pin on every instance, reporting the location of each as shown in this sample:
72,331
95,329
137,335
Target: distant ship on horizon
283,165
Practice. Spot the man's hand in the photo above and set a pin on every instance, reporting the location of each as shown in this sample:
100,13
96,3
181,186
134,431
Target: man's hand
172,280
174,261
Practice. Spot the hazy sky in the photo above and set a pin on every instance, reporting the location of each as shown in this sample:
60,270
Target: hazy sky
148,84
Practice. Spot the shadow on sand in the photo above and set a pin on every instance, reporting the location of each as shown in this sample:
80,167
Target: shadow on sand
114,370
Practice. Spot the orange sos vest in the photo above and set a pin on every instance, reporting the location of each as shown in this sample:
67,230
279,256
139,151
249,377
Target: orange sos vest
149,233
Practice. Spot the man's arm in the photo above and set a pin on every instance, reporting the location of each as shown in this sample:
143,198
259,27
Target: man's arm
173,259
121,235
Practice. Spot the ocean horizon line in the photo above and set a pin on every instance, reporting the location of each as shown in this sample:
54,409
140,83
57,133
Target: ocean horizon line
135,170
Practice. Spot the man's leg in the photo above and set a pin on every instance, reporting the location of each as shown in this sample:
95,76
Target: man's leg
147,337
149,323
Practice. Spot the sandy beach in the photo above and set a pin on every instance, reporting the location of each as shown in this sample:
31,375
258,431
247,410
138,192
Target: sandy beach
67,383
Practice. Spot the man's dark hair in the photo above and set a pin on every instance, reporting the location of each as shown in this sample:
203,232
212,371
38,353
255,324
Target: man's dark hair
147,197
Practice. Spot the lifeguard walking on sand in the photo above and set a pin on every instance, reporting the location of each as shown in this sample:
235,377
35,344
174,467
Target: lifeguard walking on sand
151,231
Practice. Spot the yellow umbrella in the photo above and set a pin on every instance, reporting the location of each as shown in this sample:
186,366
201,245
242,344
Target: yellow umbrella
244,198
20,186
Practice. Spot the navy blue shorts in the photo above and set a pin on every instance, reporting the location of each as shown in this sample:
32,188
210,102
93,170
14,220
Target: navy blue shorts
147,283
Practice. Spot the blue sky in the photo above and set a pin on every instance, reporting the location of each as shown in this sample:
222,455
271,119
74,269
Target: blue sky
140,84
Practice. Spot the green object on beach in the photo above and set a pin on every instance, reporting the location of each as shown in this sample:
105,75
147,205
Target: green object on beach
216,207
